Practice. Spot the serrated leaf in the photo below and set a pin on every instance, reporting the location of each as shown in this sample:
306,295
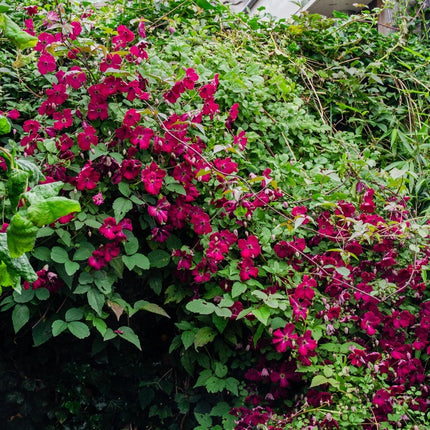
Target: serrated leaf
318,380
159,258
204,336
221,409
121,206
220,369
232,385
58,327
78,329
214,384
200,306
20,317
129,335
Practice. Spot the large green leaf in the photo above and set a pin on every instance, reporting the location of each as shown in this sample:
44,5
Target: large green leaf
18,37
5,126
128,334
16,266
42,192
21,235
20,317
47,211
16,185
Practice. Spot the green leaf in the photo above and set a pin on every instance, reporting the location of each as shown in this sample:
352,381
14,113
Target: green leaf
204,336
187,338
129,335
220,369
42,332
131,246
19,266
96,300
214,384
78,329
16,185
59,255
21,235
5,126
84,251
18,37
74,314
120,207
262,314
238,289
24,296
318,380
200,306
232,385
204,4
143,305
177,188
159,258
71,267
100,325
42,293
42,192
220,409
138,260
20,317
49,210
58,326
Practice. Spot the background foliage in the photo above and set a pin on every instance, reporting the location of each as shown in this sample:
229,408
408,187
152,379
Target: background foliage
257,259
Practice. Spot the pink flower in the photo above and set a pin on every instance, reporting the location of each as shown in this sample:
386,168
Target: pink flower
46,63
368,204
160,211
97,110
284,338
75,78
370,323
130,169
306,347
13,114
201,222
247,269
98,199
131,117
152,178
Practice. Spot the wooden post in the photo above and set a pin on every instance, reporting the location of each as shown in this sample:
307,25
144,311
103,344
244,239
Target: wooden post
386,17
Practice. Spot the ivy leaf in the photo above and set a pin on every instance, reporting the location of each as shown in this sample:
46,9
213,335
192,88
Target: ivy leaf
78,329
58,326
47,211
204,336
159,258
20,317
120,207
21,235
200,306
129,335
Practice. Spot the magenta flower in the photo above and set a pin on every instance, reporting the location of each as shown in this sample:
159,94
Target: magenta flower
130,169
46,63
112,61
87,179
247,269
249,248
152,178
131,117
284,338
160,210
98,199
87,138
63,119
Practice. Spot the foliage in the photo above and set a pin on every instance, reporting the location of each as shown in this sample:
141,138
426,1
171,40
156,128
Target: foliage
247,253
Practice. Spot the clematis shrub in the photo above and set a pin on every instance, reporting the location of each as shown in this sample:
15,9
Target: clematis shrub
281,313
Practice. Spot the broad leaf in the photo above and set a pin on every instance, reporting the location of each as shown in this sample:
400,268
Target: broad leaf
47,211
21,235
20,317
78,329
128,334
